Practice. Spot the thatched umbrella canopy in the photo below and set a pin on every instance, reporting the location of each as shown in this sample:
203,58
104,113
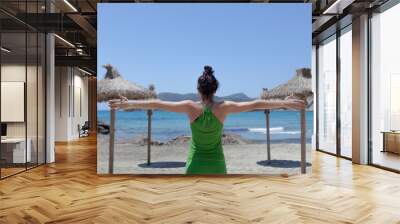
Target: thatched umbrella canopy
299,86
112,87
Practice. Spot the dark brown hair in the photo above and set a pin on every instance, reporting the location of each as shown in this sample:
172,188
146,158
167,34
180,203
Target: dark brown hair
207,84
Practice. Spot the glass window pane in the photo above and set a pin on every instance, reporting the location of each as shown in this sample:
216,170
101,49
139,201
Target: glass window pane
14,153
385,88
23,89
327,95
31,87
41,98
31,97
346,92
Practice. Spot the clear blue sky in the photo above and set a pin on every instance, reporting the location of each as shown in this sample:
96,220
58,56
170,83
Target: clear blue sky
250,46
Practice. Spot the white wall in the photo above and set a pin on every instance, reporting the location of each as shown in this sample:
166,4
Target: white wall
81,104
33,126
62,81
71,94
14,72
17,72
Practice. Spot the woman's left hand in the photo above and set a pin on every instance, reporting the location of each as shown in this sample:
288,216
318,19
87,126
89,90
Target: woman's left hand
295,103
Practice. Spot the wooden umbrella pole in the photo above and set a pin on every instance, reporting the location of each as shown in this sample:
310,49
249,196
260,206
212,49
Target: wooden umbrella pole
267,120
111,143
149,113
303,140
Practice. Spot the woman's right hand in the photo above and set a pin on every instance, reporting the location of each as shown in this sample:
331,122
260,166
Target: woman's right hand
122,103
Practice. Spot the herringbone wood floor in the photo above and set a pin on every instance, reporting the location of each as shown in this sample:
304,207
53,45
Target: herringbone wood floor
70,191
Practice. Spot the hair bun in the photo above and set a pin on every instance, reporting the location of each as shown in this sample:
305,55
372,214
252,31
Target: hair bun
207,84
208,70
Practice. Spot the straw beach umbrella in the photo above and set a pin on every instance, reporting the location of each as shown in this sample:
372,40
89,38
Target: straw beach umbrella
112,87
300,87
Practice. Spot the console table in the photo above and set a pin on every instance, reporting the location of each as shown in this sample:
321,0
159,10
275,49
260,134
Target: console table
391,141
13,150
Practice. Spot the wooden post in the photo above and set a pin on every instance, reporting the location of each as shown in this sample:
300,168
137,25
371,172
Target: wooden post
149,113
111,144
267,127
303,140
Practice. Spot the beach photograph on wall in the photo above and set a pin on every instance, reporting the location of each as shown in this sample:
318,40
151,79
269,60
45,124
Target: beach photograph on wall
204,89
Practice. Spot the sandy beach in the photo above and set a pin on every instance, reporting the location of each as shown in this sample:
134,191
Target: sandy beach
241,158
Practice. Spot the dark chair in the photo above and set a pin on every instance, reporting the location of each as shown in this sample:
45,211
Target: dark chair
84,130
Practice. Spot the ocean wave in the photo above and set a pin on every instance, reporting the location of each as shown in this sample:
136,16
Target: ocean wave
236,129
273,130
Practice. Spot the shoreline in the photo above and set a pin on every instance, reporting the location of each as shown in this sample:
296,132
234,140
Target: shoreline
241,158
228,138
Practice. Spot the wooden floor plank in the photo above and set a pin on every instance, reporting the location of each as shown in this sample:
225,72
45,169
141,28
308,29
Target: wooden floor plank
70,191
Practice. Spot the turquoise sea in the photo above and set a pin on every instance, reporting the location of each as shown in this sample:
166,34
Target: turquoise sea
285,125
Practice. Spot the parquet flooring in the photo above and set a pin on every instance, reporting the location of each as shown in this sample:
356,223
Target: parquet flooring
70,191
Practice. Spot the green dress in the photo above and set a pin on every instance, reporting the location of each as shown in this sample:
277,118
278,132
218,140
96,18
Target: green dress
205,154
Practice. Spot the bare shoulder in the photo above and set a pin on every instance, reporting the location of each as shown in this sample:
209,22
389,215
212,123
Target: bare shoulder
219,110
222,105
226,103
191,104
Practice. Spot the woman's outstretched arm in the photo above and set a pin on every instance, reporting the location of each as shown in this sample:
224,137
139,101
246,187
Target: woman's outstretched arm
180,107
237,107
